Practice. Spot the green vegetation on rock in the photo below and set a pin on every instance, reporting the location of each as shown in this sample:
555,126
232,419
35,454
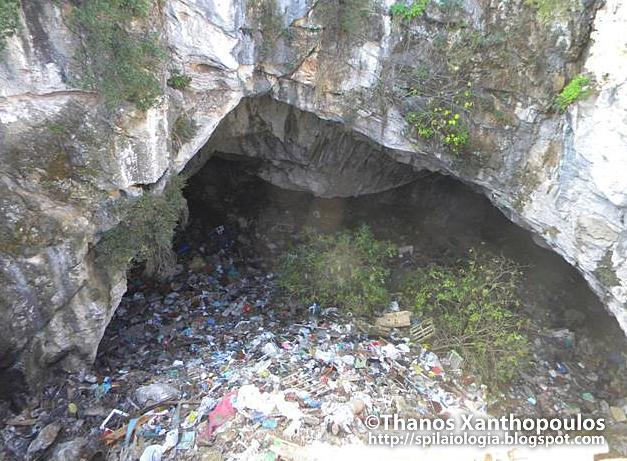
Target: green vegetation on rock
438,89
179,80
266,17
409,12
145,233
9,19
184,130
120,56
444,120
552,9
476,310
578,88
349,270
605,270
344,20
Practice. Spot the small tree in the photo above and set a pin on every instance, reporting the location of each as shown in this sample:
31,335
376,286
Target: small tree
477,312
348,270
146,233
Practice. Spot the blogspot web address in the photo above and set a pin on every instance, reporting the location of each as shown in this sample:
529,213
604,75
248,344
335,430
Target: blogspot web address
392,431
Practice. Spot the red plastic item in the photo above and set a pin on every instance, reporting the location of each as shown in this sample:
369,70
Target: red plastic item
223,412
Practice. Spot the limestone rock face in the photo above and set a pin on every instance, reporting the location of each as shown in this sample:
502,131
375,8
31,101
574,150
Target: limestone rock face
303,152
323,112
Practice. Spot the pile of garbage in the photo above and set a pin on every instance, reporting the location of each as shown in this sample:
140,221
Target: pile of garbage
206,366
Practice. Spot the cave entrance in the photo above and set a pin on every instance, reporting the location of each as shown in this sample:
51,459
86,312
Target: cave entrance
282,170
436,217
216,326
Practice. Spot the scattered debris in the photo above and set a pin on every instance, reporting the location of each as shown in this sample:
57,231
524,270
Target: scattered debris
394,320
421,332
69,451
455,361
44,439
155,393
618,414
405,251
206,366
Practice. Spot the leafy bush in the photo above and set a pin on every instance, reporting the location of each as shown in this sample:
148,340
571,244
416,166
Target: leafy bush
178,80
183,131
400,10
348,270
146,232
577,89
118,58
9,19
476,310
444,121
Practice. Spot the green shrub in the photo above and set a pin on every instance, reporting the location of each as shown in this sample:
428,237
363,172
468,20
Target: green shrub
178,80
476,310
344,20
9,19
605,271
552,9
417,8
348,270
119,59
183,131
146,232
577,89
444,121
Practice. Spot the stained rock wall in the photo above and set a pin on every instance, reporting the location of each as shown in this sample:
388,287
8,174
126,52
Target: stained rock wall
69,165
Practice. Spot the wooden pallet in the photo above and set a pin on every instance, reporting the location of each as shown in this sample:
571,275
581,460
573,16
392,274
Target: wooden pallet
421,332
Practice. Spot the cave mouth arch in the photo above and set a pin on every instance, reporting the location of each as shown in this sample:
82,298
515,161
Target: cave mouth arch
261,179
268,158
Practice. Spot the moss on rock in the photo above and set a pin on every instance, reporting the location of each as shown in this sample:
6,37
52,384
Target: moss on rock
605,271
